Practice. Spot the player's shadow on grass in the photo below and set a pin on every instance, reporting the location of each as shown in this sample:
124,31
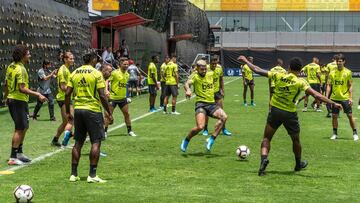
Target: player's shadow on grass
338,138
204,154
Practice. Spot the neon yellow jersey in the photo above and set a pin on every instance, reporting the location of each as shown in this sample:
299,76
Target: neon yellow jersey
16,74
276,69
248,74
63,76
311,70
162,72
118,81
287,89
218,73
152,70
170,73
204,87
339,79
85,81
324,73
332,66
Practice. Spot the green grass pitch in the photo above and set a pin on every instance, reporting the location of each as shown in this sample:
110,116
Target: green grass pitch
151,168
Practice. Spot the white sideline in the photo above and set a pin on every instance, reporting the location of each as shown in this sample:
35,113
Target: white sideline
44,156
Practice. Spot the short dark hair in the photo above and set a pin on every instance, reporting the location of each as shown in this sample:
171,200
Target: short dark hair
295,64
104,65
336,56
340,56
153,57
19,52
87,58
45,63
214,58
65,55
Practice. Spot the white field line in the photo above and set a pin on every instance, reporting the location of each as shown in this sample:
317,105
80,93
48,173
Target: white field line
44,156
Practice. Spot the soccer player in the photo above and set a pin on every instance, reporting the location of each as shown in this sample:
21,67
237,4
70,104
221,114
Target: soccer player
278,68
152,82
162,80
17,96
205,104
248,81
340,82
330,67
283,109
63,76
171,85
118,94
44,78
134,80
313,72
88,86
218,77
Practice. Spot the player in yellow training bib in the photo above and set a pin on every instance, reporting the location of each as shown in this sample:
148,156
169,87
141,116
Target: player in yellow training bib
205,104
63,76
313,76
119,95
218,76
171,85
283,109
162,80
17,93
87,86
153,82
277,69
248,81
340,82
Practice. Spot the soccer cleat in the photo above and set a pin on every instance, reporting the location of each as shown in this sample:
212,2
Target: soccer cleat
302,166
333,137
210,143
252,104
263,166
55,143
105,135
318,110
184,145
95,179
356,137
358,107
74,178
161,108
103,154
226,132
132,134
245,104
304,109
205,132
328,115
52,119
23,158
66,139
153,110
175,113
15,161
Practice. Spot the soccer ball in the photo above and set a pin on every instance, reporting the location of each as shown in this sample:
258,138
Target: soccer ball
242,152
23,193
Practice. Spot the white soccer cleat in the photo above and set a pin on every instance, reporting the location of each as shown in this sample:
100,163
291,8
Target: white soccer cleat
132,134
318,110
95,179
175,113
356,137
74,178
358,107
14,161
333,137
304,109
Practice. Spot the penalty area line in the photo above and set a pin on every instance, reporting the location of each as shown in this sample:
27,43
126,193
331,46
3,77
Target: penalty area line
50,154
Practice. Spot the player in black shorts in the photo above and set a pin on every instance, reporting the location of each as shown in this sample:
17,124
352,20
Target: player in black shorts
17,94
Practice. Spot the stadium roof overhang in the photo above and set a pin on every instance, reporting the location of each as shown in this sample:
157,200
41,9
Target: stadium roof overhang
122,21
